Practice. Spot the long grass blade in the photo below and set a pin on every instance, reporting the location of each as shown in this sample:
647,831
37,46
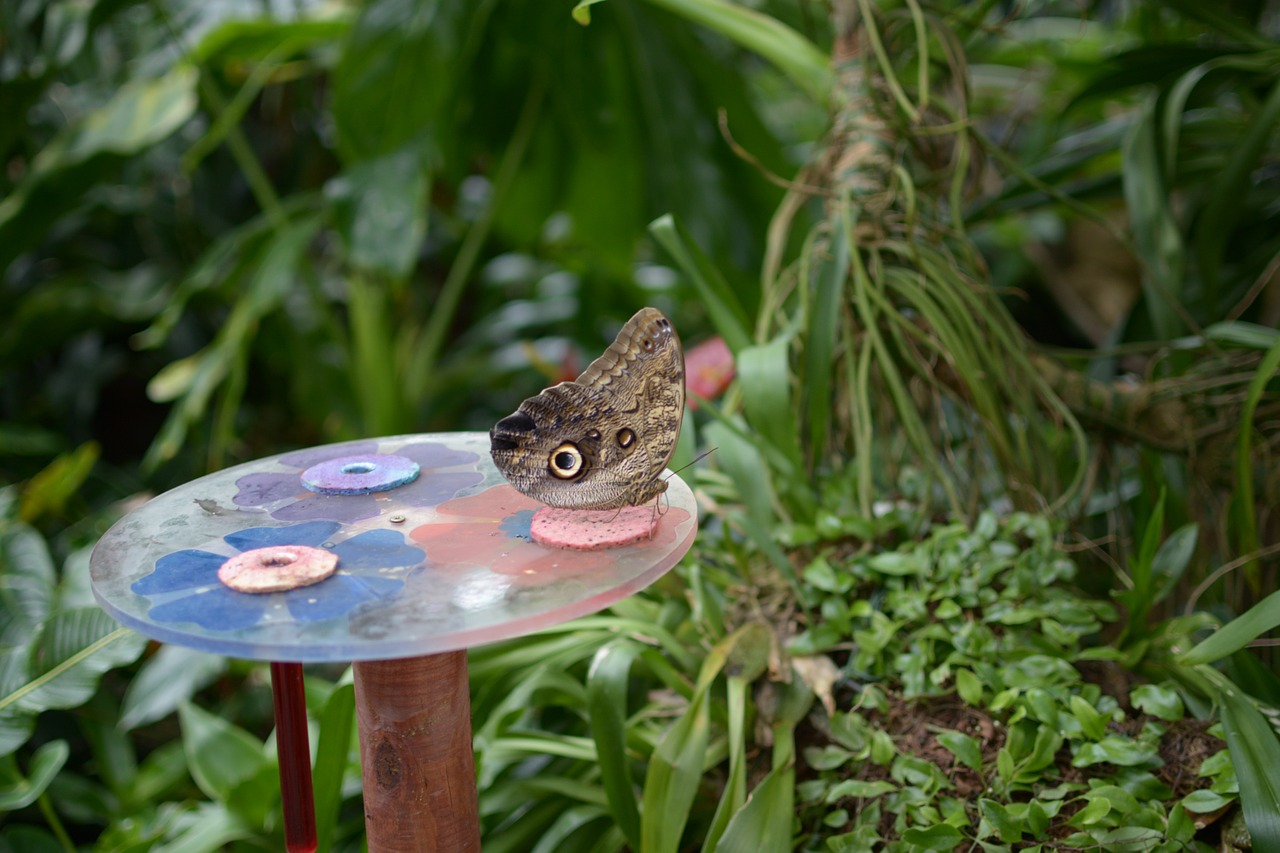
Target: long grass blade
726,311
1218,221
793,54
820,341
765,381
675,772
1243,502
607,682
1158,240
764,822
746,468
1255,752
1253,623
331,761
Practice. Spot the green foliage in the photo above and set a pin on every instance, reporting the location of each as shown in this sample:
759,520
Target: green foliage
220,235
276,280
571,725
55,644
984,615
1149,136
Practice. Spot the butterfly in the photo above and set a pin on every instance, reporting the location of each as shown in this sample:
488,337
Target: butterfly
603,440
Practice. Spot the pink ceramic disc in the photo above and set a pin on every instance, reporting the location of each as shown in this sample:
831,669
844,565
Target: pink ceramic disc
592,530
277,568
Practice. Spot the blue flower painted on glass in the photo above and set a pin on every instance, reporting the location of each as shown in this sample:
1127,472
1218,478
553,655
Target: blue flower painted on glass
285,497
184,586
519,525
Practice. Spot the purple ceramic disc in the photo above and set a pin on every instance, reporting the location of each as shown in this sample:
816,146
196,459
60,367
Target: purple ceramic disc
360,475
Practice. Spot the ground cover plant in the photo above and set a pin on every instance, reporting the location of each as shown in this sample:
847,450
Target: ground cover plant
987,549
988,716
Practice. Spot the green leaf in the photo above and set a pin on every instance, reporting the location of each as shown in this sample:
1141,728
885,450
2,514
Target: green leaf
1091,721
607,683
582,11
1038,816
675,772
16,727
1256,755
380,209
195,378
899,563
749,473
722,304
764,821
332,748
821,338
734,794
1139,598
25,838
141,113
556,837
860,788
1242,503
220,755
1218,219
747,651
1094,811
1005,765
1203,801
396,76
257,797
965,748
793,54
764,375
1115,749
1241,334
1007,827
1172,559
1256,621
45,764
1254,677
169,678
1047,743
820,575
48,491
942,836
1158,700
26,583
828,757
1155,232
210,828
75,648
969,687
1117,798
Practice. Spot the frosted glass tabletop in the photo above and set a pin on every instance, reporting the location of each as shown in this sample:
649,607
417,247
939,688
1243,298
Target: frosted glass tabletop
434,554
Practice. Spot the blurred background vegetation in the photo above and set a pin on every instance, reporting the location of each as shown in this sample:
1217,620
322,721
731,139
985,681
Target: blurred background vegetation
972,259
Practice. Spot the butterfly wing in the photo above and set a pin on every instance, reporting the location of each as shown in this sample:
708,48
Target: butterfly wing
601,441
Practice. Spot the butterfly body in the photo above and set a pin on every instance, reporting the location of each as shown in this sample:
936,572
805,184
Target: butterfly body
602,440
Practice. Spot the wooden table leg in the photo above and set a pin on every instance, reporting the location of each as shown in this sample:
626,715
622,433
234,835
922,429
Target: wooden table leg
414,717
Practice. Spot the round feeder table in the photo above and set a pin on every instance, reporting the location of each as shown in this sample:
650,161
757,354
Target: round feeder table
434,555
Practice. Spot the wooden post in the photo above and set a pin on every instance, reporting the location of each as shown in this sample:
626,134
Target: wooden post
414,717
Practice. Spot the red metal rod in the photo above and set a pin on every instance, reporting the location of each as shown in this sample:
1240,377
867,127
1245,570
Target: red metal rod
294,751
414,717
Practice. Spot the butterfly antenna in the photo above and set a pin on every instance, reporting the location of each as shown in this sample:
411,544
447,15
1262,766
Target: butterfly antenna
694,462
